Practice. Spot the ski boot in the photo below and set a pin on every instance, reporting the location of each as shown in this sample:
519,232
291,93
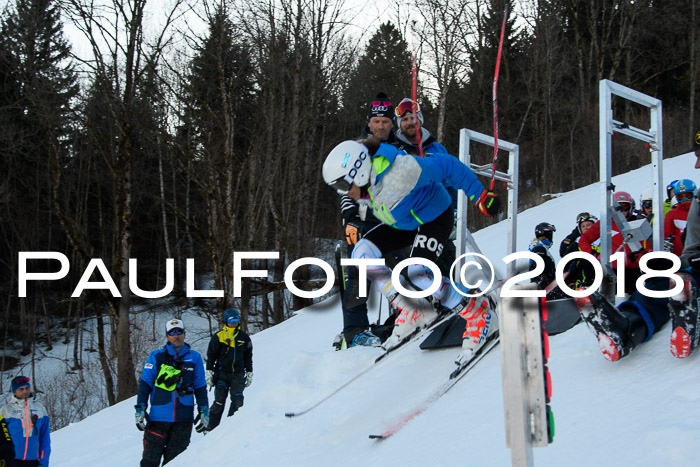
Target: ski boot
618,332
481,323
414,315
685,318
361,337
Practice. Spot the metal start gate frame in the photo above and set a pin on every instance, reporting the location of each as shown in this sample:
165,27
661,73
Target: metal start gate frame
464,237
607,126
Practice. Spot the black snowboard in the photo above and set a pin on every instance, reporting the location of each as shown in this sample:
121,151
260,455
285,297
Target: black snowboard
447,334
562,315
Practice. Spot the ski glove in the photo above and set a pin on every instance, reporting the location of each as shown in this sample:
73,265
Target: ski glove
694,262
203,419
248,378
352,233
489,203
668,243
140,416
210,378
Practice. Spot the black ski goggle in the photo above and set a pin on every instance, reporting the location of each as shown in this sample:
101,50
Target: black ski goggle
340,185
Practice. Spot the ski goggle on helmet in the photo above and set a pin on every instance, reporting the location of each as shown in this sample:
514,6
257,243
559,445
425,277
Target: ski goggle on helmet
583,217
624,197
347,163
408,105
684,189
232,316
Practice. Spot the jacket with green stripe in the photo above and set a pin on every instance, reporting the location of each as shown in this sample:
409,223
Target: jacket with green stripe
230,350
407,191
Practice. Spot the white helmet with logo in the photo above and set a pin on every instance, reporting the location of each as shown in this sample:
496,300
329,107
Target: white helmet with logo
348,163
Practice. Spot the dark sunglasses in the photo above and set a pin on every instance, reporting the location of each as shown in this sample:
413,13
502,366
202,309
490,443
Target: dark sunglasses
406,106
177,331
381,104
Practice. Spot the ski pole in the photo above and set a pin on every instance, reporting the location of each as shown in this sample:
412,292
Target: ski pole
495,96
414,79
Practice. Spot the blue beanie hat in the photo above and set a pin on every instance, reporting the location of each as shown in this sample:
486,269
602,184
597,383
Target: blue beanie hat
19,382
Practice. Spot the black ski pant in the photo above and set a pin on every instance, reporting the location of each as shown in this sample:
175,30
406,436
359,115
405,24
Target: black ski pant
226,383
427,241
353,316
166,440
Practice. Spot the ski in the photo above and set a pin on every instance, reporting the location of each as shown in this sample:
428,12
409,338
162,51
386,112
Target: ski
454,378
415,335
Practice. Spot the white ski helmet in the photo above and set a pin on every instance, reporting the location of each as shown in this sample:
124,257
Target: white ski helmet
348,163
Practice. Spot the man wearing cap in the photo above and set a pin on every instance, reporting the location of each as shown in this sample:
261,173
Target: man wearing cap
229,367
409,119
28,425
358,220
173,377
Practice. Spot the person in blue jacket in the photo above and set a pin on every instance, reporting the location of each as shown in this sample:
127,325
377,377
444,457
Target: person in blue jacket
28,425
408,195
173,377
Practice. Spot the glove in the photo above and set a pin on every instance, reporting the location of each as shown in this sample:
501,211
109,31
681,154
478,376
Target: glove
352,233
489,203
694,262
203,418
210,378
371,143
140,416
248,378
668,243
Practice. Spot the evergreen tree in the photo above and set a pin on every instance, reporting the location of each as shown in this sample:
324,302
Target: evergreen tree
220,96
38,85
385,66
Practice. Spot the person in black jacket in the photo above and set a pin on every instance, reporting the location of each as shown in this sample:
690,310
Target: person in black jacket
581,272
540,245
358,220
7,449
229,367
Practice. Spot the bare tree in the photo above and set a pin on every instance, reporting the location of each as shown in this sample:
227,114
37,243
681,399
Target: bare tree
121,56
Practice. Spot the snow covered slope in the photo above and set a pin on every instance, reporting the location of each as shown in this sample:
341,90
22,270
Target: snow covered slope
641,411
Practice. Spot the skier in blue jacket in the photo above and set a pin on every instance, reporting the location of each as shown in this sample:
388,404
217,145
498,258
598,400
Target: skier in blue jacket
408,195
173,377
28,425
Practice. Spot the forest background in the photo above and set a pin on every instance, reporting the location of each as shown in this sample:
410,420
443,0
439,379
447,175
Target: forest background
146,137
